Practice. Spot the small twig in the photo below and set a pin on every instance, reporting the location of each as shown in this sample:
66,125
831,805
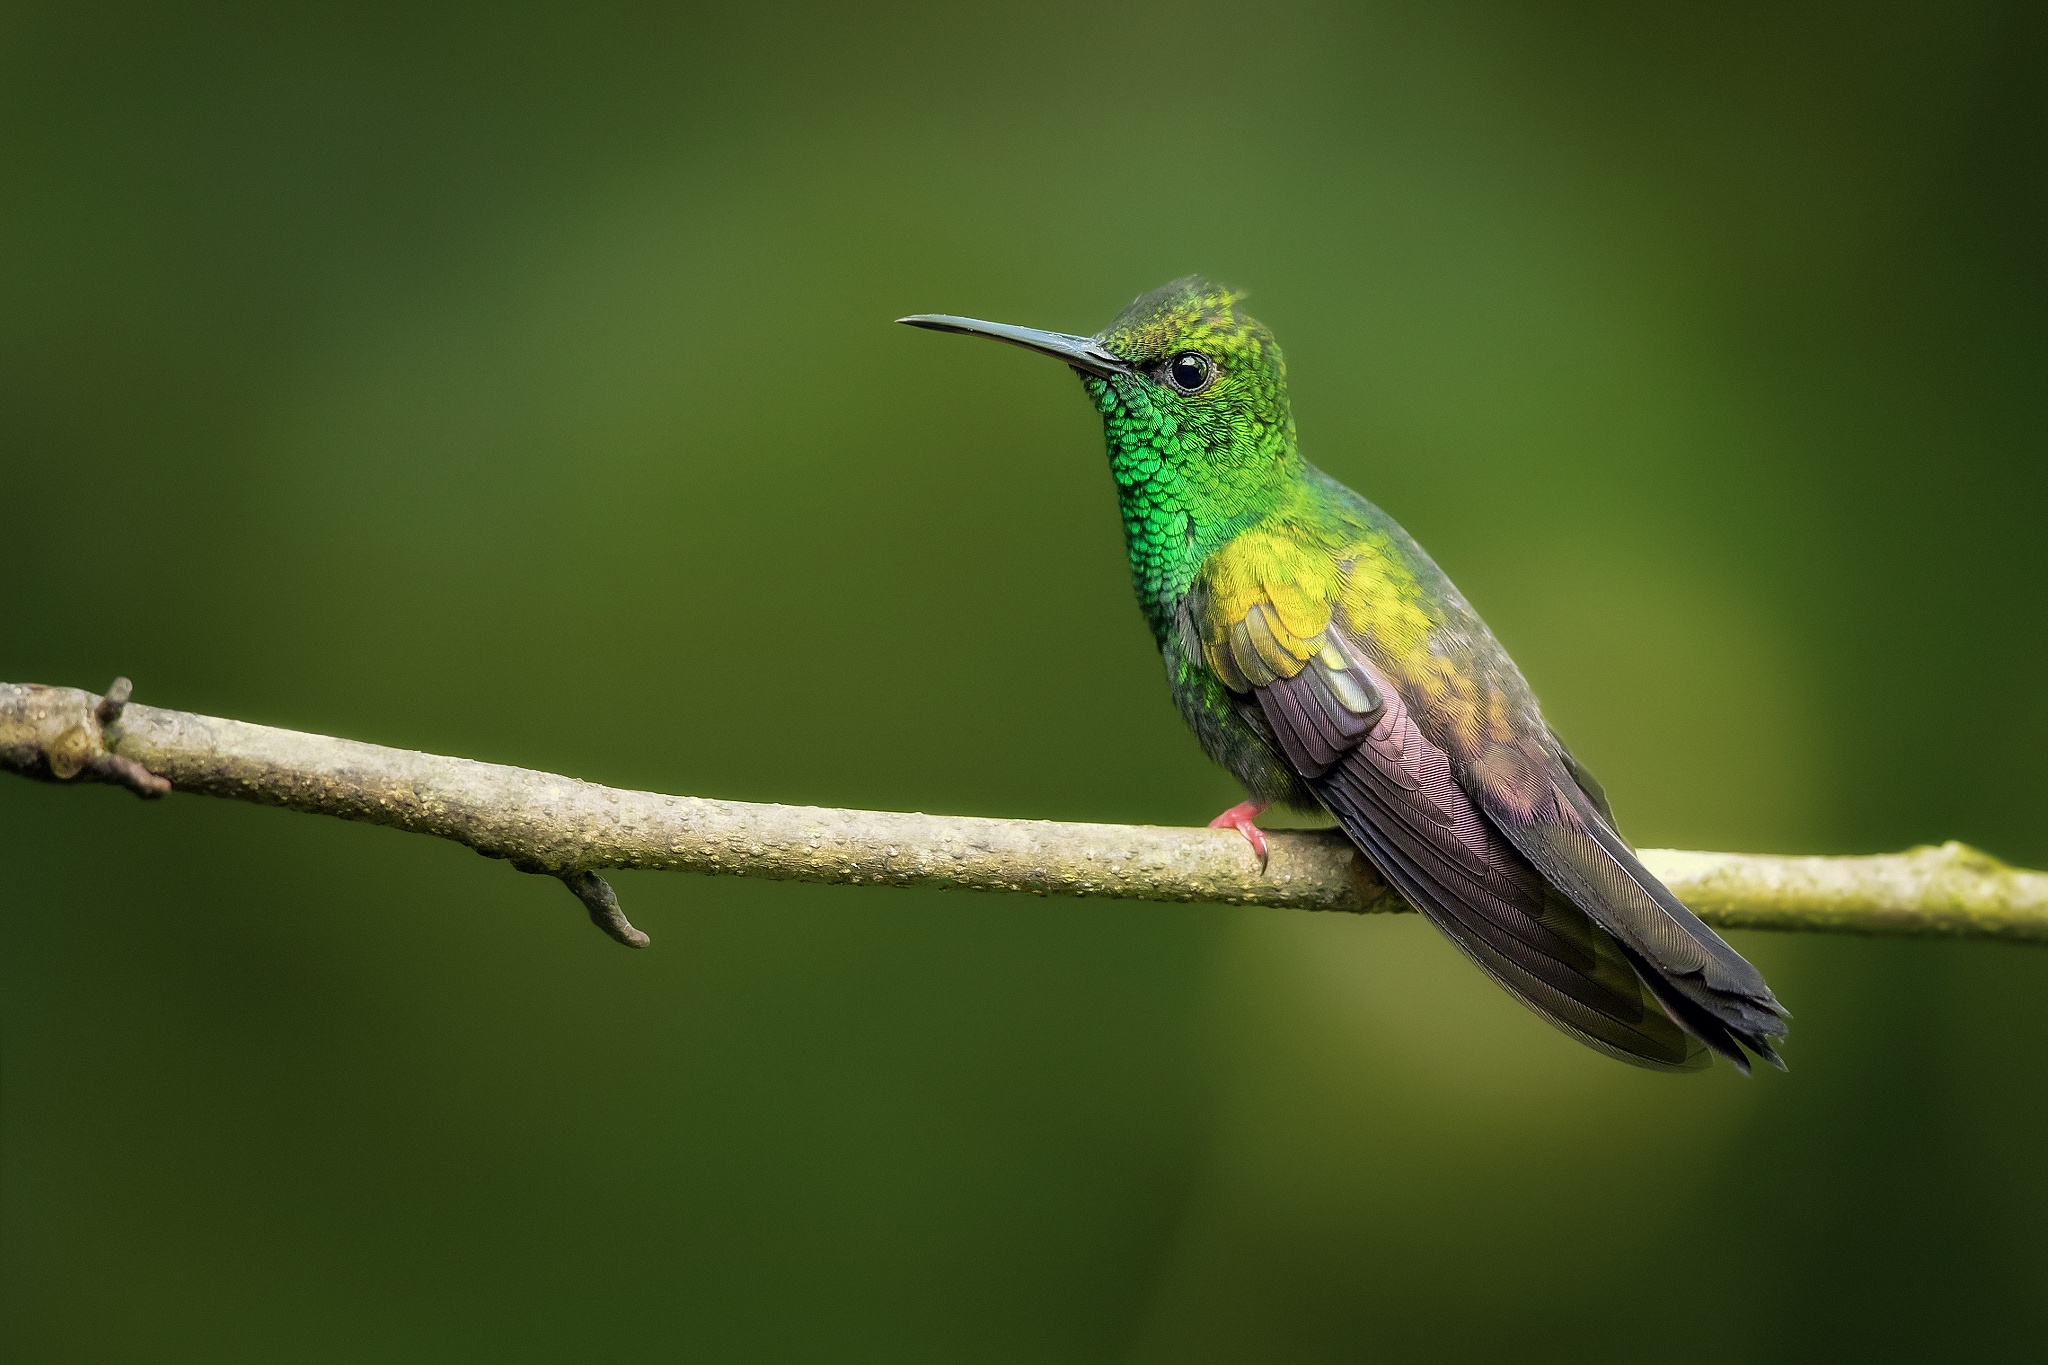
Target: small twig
66,742
126,772
108,712
603,904
557,825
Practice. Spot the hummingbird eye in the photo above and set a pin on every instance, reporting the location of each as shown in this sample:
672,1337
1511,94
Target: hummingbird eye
1190,371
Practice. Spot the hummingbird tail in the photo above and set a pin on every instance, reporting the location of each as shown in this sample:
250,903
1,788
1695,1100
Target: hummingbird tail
1394,794
1708,987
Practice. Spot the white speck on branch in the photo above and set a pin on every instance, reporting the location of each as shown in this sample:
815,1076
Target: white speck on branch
545,823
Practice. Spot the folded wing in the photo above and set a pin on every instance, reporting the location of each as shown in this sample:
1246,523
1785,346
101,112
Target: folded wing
1401,713
1352,739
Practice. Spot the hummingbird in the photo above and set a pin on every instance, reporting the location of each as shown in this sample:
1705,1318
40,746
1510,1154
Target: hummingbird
1323,658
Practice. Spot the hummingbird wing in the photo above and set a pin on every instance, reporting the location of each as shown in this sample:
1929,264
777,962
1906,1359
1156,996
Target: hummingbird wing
1758,1012
1734,986
1264,624
1530,795
1468,698
1450,781
1588,783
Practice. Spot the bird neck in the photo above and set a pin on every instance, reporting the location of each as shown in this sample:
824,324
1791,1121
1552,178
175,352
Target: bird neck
1184,492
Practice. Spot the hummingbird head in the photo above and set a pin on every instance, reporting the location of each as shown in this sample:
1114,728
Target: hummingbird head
1187,384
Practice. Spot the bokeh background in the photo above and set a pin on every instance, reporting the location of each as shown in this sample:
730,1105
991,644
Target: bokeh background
518,382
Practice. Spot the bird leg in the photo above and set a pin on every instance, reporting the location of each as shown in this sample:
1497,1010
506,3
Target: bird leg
1239,817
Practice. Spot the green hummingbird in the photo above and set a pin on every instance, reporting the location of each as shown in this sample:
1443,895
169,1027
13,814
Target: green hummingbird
1325,660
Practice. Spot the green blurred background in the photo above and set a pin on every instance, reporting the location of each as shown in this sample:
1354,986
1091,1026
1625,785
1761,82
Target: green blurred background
518,382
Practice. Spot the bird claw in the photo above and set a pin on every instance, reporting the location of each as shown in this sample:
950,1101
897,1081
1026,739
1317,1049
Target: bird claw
1239,817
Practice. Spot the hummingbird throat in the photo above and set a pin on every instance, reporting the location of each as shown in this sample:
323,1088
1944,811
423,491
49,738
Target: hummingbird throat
1179,499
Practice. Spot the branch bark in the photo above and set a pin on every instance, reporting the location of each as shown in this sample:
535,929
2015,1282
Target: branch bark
562,827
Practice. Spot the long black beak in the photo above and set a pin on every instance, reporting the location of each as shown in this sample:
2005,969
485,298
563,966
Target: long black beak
1085,354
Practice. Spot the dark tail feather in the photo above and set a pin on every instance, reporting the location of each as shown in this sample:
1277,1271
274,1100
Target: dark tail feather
1705,985
1543,949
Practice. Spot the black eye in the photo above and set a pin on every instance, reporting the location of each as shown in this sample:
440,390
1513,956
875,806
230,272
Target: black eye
1190,371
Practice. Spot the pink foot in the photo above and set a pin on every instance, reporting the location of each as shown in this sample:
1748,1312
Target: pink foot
1239,817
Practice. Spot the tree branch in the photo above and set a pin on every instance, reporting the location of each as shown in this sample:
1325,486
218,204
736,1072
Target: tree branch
558,826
